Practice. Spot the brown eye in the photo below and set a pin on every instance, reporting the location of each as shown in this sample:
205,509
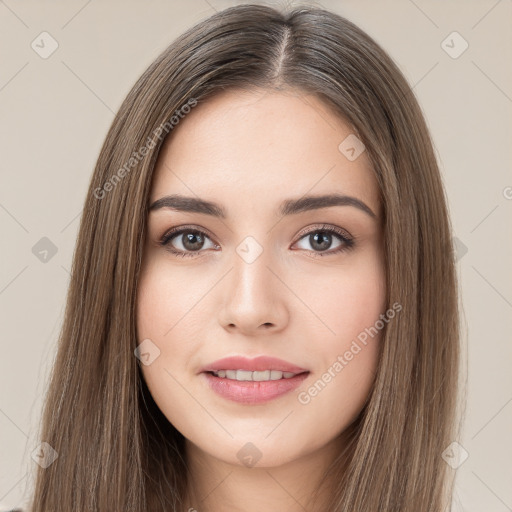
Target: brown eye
322,239
186,241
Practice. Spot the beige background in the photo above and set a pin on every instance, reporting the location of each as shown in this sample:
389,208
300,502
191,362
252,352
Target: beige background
56,111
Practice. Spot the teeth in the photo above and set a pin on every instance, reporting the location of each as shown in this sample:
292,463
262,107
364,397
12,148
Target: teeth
244,375
259,376
231,374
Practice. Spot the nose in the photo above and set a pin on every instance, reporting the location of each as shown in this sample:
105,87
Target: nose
253,297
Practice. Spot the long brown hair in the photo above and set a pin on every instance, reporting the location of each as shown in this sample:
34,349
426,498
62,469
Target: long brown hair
116,450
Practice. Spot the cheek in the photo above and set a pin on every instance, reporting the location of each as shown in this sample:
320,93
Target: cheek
346,300
157,286
169,303
358,300
167,317
349,303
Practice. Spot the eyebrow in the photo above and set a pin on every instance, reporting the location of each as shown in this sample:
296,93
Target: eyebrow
288,207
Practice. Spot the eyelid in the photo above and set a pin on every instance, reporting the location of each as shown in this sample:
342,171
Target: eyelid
186,227
327,227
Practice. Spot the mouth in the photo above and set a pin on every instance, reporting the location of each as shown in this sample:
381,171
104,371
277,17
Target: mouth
252,381
253,387
256,376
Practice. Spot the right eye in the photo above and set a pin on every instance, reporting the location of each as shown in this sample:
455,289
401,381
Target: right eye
187,241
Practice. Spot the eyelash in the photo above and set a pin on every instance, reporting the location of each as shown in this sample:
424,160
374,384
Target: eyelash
347,241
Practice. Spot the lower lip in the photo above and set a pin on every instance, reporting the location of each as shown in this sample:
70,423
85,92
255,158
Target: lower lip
252,392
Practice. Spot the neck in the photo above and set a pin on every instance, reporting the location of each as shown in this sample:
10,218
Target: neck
218,486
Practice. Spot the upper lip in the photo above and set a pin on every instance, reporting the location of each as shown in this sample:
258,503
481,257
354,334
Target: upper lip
259,363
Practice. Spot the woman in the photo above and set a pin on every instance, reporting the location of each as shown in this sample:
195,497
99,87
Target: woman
263,293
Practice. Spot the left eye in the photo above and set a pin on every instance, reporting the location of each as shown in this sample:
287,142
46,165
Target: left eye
322,239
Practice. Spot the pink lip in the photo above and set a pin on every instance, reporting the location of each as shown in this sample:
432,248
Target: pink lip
257,364
250,392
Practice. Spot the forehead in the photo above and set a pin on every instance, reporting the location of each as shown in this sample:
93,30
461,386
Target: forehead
250,148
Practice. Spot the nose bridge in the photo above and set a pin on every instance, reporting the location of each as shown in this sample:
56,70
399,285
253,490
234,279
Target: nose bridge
252,298
251,277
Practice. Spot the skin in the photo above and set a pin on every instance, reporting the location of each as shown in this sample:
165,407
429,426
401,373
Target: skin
248,151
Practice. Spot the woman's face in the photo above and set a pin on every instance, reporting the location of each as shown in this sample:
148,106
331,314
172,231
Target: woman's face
259,273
